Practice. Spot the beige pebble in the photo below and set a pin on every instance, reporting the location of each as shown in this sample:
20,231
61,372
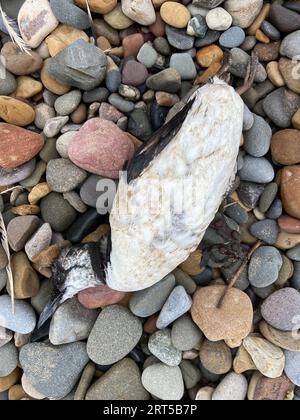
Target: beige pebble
268,359
175,14
274,74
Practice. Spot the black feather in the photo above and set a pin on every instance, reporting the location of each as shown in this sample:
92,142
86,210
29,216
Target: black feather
156,143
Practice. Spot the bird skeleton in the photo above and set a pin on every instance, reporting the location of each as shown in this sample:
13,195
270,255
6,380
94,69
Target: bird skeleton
188,165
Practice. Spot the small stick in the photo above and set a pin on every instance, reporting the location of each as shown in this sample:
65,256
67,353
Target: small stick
237,275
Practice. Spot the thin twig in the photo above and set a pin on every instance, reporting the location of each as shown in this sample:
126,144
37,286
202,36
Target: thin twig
237,275
91,20
17,187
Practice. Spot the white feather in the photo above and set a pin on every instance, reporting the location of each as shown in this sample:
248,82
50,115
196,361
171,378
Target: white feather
148,245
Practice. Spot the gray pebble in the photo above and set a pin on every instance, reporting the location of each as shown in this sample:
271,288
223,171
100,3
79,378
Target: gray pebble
185,66
266,230
147,55
268,196
160,345
8,83
49,151
63,176
233,387
57,212
281,310
43,113
237,213
121,382
292,366
75,201
71,322
81,65
39,301
54,125
276,210
232,38
290,46
185,334
240,61
53,371
23,320
264,267
258,137
96,95
197,26
39,241
116,332
68,103
36,175
162,46
280,106
63,143
68,13
164,382
14,176
177,304
270,30
210,38
257,170
294,253
191,374
49,98
150,301
120,103
8,359
179,39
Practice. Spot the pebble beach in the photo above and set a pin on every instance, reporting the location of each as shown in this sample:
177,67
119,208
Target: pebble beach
81,89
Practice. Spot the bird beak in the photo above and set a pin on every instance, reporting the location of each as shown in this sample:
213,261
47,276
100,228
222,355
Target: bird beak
49,310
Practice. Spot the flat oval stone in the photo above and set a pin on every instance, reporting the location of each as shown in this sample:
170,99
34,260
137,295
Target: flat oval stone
280,106
14,176
264,267
53,371
115,333
281,309
23,321
265,230
16,112
285,20
258,138
277,389
169,378
18,62
257,170
233,37
216,357
284,339
268,358
67,12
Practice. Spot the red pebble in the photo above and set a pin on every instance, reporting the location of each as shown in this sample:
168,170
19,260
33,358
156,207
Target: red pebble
18,145
99,297
100,147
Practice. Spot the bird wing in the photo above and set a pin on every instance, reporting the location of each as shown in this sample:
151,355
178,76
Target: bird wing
156,143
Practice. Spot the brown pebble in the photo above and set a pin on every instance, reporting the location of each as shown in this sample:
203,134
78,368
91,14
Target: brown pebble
150,325
6,382
26,281
215,357
222,323
16,393
99,297
262,37
79,115
47,257
38,192
26,210
290,190
132,44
